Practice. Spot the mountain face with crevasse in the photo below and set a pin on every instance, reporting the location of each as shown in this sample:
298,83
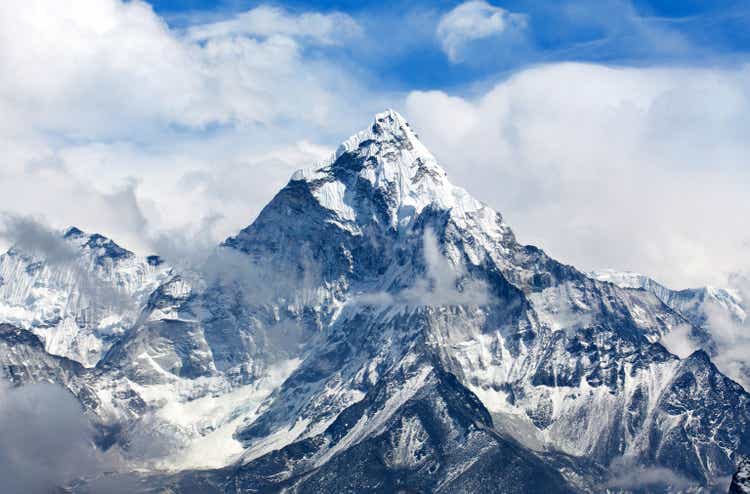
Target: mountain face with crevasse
377,329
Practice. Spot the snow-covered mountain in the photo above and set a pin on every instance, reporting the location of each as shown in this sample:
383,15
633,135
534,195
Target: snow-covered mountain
695,304
81,302
376,329
719,322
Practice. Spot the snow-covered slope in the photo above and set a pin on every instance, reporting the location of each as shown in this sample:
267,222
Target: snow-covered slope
718,317
741,479
695,304
80,304
560,356
377,329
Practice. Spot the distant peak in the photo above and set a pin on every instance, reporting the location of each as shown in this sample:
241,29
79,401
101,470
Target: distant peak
104,246
73,232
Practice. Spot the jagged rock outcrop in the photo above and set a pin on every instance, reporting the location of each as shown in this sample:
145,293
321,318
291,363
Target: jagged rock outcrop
741,479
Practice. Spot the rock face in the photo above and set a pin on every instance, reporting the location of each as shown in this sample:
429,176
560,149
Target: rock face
80,302
741,480
377,329
718,320
695,304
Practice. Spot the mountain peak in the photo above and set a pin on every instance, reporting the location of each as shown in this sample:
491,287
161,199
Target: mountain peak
389,132
100,245
390,122
389,128
388,158
73,232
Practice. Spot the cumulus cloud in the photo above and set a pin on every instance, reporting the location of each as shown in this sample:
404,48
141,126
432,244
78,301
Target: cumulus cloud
45,439
628,168
96,92
51,190
63,63
475,20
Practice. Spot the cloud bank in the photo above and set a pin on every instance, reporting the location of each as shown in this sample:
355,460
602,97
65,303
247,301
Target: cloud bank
45,440
118,123
625,168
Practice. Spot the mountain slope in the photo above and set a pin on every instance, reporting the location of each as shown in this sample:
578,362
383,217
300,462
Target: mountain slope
376,328
741,479
548,347
80,303
718,317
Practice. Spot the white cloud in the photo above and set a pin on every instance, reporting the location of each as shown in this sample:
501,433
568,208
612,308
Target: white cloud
90,68
326,29
441,284
63,63
475,20
678,341
633,169
731,332
106,109
626,475
45,439
444,283
33,238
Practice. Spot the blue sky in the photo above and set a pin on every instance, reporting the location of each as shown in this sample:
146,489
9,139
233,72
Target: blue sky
404,53
612,133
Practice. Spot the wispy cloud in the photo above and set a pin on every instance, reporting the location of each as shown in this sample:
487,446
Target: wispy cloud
33,238
264,20
731,331
444,283
624,475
